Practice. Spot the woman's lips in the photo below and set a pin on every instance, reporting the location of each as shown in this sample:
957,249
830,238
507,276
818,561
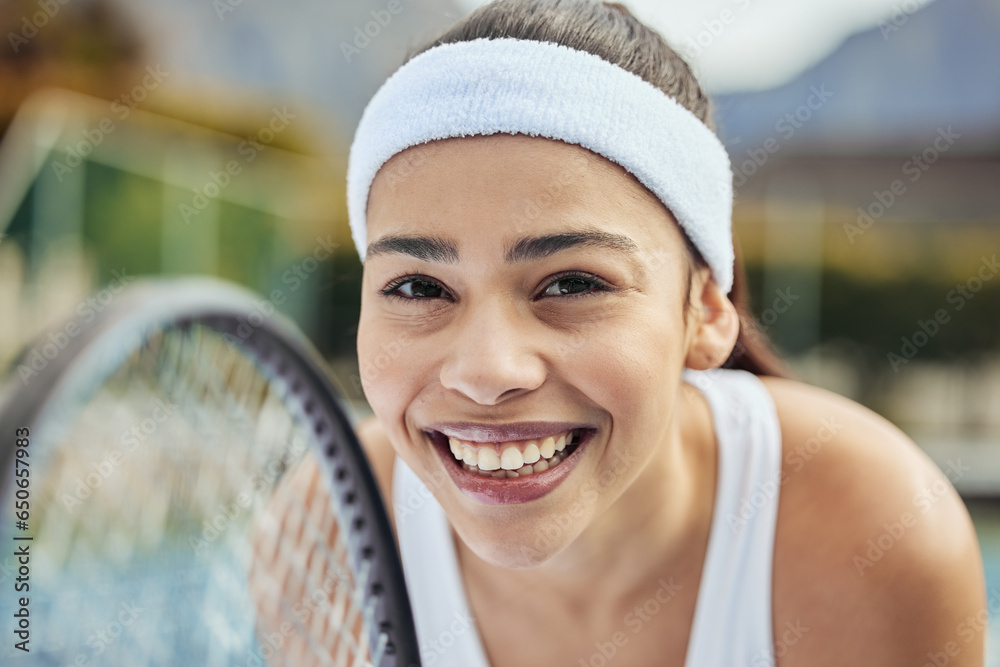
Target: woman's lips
491,491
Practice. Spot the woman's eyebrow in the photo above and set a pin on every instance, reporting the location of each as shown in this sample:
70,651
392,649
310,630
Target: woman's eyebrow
538,247
433,249
427,248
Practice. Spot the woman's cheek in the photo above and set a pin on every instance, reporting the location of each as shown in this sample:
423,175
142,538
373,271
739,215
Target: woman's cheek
382,357
622,362
628,372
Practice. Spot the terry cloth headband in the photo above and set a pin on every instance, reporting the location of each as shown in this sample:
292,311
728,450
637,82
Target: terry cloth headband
515,86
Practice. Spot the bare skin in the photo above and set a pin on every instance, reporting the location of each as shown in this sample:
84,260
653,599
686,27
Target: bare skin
484,339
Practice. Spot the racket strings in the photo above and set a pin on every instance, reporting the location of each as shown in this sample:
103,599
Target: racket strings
302,572
307,558
186,481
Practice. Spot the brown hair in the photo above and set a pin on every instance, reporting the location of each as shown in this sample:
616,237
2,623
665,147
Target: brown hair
610,31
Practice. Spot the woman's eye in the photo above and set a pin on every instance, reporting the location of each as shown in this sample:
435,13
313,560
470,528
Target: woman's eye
414,288
573,285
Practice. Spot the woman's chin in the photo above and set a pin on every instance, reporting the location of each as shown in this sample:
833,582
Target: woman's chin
513,549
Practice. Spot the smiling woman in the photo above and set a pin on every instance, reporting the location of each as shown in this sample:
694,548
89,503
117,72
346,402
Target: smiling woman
607,461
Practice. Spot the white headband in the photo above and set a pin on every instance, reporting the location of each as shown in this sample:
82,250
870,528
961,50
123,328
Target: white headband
514,86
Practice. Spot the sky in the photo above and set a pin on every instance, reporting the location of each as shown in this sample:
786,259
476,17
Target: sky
741,45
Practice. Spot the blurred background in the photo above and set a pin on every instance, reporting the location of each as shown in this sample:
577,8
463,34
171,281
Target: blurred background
156,137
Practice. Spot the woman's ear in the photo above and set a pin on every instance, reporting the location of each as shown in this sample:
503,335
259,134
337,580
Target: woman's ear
713,324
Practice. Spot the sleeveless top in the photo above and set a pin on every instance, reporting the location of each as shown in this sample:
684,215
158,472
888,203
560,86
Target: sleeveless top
732,618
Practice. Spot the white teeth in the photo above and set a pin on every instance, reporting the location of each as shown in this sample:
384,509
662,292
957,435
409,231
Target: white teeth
488,459
547,448
538,467
538,456
511,458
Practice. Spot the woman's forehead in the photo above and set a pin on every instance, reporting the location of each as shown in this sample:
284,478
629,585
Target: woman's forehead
515,183
527,163
508,145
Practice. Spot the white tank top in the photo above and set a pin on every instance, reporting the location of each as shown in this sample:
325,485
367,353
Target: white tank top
732,618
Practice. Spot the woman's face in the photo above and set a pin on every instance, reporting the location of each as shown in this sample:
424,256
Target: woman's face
522,294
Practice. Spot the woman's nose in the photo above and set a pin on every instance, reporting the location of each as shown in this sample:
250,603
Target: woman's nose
492,355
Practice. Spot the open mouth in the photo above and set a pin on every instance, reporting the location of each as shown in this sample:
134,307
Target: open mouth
511,460
511,472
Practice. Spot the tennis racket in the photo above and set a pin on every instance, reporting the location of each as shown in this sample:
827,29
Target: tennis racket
181,486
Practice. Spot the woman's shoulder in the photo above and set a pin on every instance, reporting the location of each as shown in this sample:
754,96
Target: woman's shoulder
876,560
